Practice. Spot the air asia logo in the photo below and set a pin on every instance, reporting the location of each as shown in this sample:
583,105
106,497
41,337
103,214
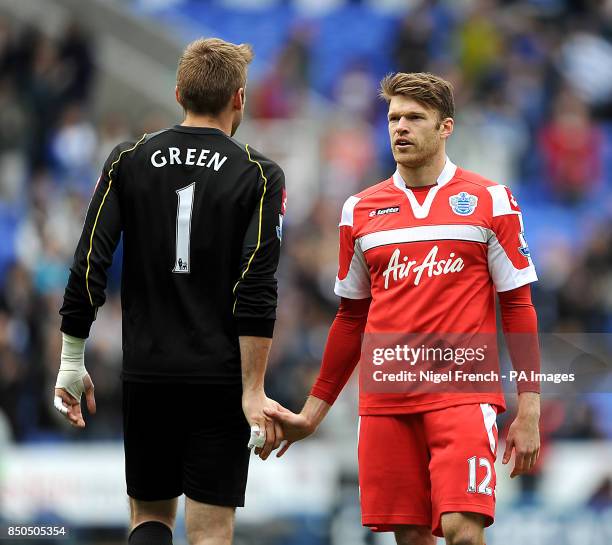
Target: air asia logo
463,203
384,211
400,268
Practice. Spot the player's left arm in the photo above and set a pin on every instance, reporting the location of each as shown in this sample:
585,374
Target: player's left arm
512,271
255,290
255,293
85,290
520,325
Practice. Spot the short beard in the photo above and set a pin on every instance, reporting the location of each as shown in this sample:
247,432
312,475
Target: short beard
422,158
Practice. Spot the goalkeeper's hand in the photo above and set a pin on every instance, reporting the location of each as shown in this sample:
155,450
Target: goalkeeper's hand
266,435
72,381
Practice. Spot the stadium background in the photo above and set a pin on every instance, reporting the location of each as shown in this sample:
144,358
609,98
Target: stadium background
533,82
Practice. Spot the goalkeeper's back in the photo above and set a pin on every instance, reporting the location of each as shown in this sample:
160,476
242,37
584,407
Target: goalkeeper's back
201,220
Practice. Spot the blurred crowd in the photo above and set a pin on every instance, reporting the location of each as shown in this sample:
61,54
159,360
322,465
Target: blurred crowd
534,109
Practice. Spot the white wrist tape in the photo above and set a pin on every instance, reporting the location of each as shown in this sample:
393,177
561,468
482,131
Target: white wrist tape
59,405
258,437
72,367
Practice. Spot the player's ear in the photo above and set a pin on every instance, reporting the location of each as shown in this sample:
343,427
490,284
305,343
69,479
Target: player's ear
446,127
239,99
177,96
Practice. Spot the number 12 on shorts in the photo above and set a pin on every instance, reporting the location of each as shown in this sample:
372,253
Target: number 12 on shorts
483,487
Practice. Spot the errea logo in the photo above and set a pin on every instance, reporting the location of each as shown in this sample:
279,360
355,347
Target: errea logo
384,211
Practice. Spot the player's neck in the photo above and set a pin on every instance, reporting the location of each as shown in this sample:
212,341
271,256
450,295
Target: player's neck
223,123
425,174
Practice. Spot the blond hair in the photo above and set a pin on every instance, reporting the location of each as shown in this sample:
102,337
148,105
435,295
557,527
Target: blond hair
427,89
209,72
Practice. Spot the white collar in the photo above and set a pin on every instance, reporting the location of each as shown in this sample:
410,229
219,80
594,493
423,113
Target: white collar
419,211
445,176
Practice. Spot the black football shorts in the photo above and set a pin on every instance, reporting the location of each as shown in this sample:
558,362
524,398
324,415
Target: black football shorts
187,438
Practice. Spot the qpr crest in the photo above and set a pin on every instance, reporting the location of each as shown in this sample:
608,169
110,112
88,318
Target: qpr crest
463,203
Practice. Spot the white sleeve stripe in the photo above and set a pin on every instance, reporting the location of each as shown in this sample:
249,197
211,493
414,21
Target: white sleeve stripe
504,274
349,292
356,284
501,201
347,211
522,277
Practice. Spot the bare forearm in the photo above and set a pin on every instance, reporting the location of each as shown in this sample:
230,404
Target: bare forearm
314,411
254,353
529,405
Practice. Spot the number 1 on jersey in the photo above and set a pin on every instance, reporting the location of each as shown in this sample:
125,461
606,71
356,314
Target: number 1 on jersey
183,228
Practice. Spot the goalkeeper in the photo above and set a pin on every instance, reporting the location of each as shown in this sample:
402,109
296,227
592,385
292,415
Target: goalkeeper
201,220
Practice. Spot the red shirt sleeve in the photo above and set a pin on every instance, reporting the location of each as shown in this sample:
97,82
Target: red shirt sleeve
342,350
520,325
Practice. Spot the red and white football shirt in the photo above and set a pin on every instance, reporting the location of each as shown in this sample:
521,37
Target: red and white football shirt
431,266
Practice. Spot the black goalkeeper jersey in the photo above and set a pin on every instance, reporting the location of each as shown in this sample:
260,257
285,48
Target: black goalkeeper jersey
201,218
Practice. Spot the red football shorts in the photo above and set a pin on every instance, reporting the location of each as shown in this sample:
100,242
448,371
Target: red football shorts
415,467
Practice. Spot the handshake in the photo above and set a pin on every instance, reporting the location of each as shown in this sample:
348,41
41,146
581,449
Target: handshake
274,426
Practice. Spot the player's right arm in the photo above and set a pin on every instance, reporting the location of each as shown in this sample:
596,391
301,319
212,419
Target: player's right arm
343,347
341,355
